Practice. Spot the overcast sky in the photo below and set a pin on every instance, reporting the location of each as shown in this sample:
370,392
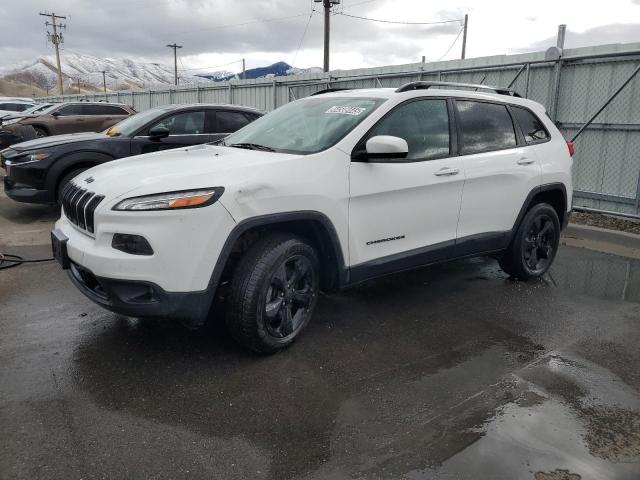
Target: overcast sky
212,36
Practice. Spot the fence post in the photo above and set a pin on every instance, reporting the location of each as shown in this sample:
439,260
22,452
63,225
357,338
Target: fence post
556,89
638,194
198,94
275,94
526,84
230,93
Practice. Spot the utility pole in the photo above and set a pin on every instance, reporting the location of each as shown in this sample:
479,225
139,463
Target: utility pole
327,32
78,84
56,38
464,36
175,47
244,70
104,81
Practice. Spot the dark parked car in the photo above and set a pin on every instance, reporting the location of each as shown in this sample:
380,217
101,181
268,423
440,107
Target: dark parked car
69,117
38,170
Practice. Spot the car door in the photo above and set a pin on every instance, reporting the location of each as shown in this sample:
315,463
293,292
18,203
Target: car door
110,115
93,116
185,128
67,119
405,213
500,171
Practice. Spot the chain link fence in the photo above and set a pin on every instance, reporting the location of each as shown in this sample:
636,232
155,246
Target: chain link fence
572,87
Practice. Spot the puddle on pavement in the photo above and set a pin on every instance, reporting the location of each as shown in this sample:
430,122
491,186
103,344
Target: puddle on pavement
575,421
596,274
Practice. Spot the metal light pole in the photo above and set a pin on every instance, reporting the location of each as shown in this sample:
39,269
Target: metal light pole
464,36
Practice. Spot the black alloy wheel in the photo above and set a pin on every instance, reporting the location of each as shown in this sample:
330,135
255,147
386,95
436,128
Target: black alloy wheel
534,244
273,292
539,244
291,292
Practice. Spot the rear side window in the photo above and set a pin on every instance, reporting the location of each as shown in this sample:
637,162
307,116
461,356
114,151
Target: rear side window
91,110
185,123
424,124
484,127
229,122
75,109
532,128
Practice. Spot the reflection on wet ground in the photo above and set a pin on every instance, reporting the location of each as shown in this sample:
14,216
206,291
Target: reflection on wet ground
452,372
602,276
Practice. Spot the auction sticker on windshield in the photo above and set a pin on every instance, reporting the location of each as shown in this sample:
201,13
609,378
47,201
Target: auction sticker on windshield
346,110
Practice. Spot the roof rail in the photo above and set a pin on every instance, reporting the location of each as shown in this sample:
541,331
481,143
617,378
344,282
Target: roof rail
330,90
426,85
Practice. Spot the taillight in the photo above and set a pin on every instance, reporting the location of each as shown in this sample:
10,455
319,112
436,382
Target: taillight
571,148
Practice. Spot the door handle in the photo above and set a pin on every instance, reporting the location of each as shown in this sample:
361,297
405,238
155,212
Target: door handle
525,161
447,172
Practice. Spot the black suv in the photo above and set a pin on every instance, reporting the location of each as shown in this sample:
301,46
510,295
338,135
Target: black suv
38,170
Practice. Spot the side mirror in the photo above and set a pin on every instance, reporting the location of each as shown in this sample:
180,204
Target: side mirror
55,114
383,149
158,133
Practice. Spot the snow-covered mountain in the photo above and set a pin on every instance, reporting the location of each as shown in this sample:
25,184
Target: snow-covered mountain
124,74
120,74
276,70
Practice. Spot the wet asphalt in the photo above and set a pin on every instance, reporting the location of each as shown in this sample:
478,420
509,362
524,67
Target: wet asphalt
450,372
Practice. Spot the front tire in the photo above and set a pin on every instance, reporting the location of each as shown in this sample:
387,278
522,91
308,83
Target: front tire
40,132
273,293
535,244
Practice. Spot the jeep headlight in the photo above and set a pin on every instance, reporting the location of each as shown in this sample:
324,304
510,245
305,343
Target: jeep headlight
172,200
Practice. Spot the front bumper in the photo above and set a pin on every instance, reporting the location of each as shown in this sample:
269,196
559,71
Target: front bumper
21,192
140,299
173,282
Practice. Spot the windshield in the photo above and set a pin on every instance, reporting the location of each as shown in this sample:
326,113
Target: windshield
130,125
305,126
39,109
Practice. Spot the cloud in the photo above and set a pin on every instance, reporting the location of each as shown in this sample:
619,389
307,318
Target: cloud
602,35
220,31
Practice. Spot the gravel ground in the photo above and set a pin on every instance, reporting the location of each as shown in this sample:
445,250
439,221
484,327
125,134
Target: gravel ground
606,221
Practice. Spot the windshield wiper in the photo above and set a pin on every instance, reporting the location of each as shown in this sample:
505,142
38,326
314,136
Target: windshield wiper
252,146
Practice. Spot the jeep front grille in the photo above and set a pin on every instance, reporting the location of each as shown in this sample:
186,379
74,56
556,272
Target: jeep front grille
79,206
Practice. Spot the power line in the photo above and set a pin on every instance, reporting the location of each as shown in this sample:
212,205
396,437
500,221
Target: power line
454,42
344,7
209,67
400,23
232,25
304,33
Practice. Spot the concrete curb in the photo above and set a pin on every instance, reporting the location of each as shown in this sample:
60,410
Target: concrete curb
602,240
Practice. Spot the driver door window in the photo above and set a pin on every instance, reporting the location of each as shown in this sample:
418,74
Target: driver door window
424,124
186,123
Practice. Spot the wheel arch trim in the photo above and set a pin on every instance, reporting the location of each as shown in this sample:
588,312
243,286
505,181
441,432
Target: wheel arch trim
548,187
274,219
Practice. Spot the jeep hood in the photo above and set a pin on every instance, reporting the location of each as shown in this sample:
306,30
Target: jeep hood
47,142
200,166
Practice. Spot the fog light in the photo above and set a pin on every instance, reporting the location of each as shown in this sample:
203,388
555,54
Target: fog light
133,244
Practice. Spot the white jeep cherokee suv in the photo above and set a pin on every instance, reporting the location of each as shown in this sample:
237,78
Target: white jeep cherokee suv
320,194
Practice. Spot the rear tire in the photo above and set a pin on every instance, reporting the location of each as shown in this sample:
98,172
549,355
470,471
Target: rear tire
273,293
65,180
534,245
